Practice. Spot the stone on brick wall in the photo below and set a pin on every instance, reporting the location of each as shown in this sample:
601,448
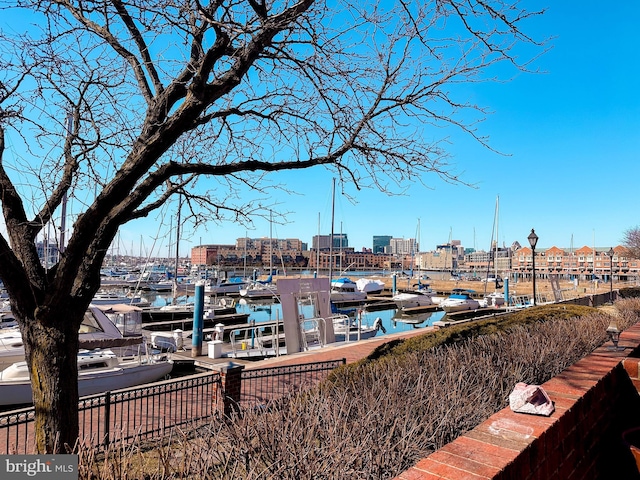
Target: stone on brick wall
530,399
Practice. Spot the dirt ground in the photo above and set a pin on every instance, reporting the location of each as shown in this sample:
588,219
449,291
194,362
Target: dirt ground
519,288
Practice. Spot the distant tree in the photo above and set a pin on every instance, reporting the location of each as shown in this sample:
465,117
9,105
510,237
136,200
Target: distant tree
122,105
631,242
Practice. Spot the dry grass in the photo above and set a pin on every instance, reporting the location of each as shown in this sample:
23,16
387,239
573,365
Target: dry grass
522,287
375,420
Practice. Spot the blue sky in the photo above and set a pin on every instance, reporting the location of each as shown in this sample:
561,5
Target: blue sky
570,138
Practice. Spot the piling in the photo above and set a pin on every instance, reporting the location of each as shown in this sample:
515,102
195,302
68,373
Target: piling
198,321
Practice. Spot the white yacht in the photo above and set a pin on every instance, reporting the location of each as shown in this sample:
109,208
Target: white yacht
416,298
346,290
459,300
96,328
99,371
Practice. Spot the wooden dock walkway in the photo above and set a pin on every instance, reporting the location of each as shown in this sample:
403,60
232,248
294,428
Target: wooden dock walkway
351,351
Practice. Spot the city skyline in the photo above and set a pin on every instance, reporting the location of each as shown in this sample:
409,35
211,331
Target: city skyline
421,248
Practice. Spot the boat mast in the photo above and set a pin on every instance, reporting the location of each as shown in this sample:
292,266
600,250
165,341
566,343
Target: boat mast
175,275
340,262
270,242
333,201
318,248
493,251
419,261
246,240
495,260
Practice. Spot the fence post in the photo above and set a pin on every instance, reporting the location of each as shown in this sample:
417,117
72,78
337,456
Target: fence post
107,418
226,396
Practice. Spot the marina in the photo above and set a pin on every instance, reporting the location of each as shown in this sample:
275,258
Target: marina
297,317
253,326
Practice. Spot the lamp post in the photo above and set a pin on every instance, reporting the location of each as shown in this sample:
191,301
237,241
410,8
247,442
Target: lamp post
533,240
611,252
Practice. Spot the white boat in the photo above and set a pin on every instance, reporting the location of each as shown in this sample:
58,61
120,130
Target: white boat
370,286
96,328
356,330
260,289
414,319
459,300
495,299
312,329
345,290
112,298
417,298
99,371
224,288
161,286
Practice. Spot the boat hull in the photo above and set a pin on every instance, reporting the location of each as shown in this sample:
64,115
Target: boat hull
459,300
231,288
266,291
348,296
411,300
18,392
450,307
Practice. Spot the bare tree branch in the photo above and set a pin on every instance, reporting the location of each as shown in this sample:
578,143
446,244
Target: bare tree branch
631,242
208,100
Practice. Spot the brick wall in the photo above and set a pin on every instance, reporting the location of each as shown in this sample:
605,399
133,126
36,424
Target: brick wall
225,397
596,400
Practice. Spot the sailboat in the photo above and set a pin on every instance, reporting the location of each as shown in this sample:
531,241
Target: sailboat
420,297
260,289
263,288
99,370
496,298
341,289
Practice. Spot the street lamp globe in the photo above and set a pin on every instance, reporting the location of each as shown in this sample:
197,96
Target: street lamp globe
533,239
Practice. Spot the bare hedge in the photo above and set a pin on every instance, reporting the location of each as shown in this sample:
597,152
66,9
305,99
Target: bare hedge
377,418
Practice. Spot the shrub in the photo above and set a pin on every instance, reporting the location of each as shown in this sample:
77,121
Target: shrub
375,419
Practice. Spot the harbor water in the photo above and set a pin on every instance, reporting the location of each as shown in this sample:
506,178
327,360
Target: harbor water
393,321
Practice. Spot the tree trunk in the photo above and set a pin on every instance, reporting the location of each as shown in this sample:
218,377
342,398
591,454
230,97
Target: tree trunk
53,364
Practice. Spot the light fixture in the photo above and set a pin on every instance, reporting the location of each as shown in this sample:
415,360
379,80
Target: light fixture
614,335
533,241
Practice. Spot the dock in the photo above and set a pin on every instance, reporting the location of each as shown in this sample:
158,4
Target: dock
422,309
154,314
187,323
456,318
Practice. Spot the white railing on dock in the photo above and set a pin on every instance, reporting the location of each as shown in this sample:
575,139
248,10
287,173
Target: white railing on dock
313,332
252,339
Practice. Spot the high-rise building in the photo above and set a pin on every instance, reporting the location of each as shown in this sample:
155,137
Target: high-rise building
323,242
403,246
380,242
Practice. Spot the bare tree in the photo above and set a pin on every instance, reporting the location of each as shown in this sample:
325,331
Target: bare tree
123,104
631,242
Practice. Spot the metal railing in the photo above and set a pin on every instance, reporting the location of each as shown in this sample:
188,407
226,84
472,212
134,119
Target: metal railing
136,413
258,339
151,411
313,332
260,386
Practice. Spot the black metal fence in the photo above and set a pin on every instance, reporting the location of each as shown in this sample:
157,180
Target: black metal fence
259,386
135,413
151,411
